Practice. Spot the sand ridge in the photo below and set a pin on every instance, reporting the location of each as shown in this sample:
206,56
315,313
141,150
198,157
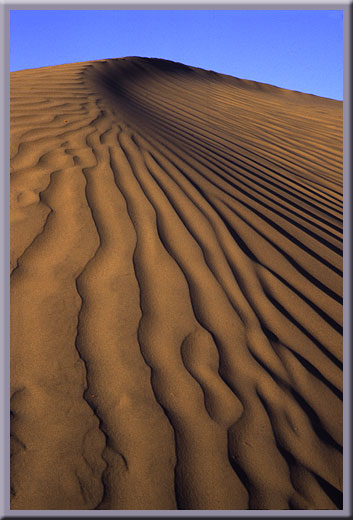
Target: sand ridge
176,291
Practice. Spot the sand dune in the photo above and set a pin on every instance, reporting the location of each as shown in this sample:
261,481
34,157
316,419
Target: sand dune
176,291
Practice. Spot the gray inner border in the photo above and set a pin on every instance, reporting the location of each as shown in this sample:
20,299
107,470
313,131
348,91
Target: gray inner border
5,7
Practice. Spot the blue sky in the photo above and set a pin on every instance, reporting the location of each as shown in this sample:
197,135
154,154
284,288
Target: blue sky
295,49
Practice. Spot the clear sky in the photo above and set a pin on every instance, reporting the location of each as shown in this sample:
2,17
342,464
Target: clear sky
295,49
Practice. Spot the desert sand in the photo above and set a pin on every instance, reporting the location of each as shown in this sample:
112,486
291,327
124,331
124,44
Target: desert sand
176,291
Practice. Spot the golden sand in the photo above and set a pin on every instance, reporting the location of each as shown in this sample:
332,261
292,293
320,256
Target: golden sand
176,290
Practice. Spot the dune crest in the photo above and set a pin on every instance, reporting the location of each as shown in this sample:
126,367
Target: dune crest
176,291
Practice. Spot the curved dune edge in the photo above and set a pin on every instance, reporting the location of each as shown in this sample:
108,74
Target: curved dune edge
176,291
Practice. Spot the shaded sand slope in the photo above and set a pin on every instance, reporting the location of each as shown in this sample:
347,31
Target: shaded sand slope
176,257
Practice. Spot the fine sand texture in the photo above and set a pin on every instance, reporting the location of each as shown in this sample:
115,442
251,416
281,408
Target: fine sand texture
176,291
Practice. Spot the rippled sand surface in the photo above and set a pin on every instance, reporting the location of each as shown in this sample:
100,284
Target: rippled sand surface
176,290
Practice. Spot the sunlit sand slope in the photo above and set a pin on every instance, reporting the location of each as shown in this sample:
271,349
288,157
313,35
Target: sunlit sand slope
176,290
